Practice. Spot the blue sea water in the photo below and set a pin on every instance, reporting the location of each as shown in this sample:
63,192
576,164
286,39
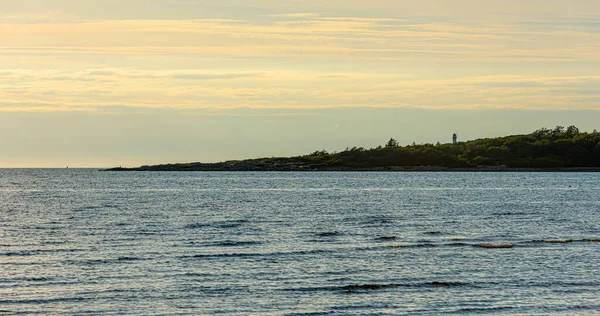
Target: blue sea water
89,242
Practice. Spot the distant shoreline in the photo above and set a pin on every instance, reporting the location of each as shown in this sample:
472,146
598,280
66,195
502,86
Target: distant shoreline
544,150
377,169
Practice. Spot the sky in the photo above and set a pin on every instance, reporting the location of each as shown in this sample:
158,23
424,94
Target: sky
87,83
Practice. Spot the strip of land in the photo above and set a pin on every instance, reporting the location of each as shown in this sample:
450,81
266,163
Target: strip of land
545,150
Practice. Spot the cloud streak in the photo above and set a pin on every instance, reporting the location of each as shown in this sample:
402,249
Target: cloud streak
317,57
311,36
90,89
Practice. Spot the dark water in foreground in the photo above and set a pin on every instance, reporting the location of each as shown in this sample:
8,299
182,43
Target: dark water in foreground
82,241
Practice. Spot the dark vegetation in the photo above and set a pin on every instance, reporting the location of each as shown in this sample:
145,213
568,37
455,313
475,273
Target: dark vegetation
545,149
558,147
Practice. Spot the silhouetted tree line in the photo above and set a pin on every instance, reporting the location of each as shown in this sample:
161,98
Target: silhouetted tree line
543,148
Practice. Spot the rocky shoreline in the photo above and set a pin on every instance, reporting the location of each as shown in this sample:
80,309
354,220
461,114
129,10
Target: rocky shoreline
544,150
289,164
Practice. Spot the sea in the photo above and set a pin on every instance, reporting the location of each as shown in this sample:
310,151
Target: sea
86,242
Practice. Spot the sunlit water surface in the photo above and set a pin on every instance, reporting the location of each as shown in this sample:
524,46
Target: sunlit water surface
83,241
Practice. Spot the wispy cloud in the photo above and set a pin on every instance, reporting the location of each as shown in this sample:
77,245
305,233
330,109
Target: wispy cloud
326,57
213,76
310,36
295,15
85,89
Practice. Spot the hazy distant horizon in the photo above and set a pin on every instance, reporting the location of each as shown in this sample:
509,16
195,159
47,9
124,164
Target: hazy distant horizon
130,82
344,128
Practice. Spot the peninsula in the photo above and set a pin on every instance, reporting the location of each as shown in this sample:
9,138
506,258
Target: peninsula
558,149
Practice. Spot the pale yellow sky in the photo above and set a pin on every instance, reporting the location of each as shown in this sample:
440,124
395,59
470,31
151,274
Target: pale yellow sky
121,58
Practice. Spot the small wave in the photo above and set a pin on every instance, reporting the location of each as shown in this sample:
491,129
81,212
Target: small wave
229,243
33,252
509,213
219,224
535,241
580,307
229,225
95,261
250,254
45,301
130,259
329,234
146,233
227,255
494,246
369,287
92,262
380,286
377,220
310,313
458,244
196,225
16,253
558,241
39,279
445,284
477,310
432,233
568,284
87,208
26,279
108,205
455,244
426,245
194,274
591,239
55,242
387,238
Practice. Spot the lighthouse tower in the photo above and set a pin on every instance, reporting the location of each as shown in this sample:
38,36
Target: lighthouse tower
454,138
